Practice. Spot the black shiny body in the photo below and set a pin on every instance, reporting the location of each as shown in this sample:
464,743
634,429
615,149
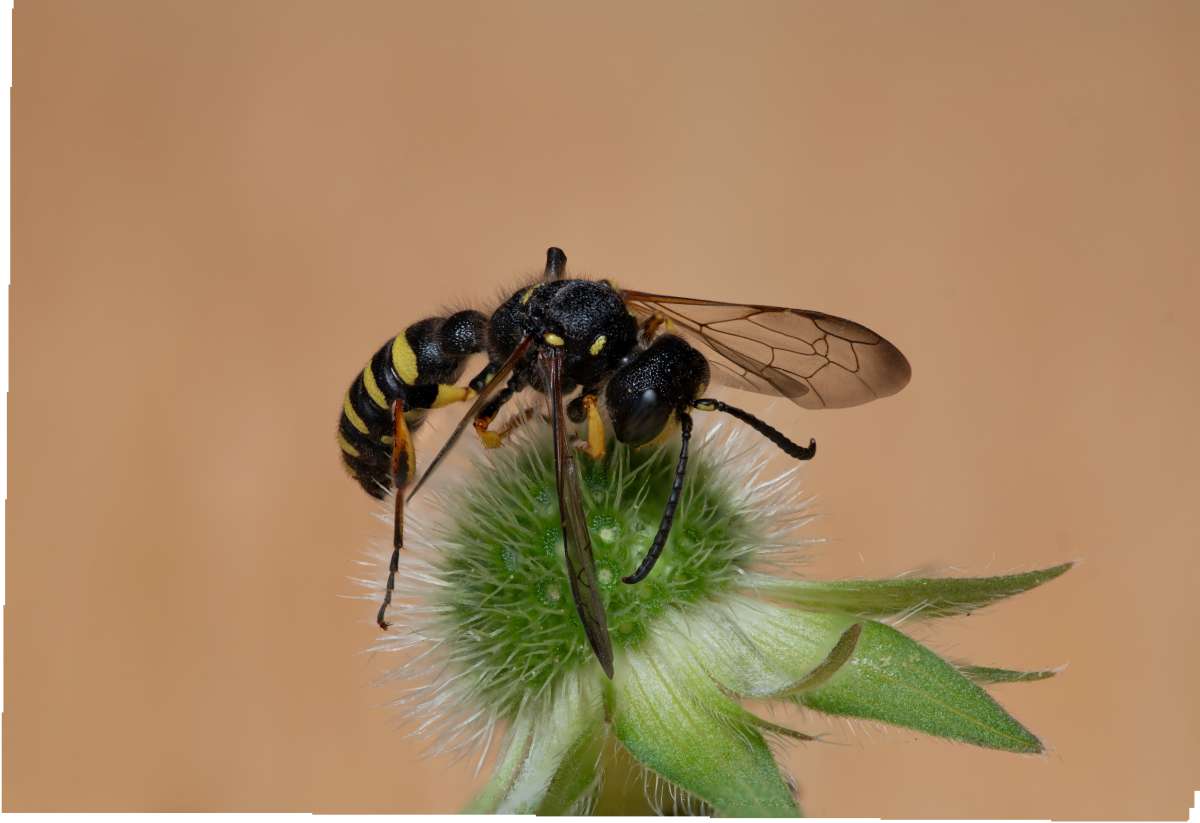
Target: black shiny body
579,312
560,336
663,379
439,348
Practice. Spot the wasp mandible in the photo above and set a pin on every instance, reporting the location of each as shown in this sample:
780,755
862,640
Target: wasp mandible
646,359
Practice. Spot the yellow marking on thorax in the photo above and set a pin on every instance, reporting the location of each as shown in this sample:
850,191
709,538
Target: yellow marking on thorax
352,415
346,446
598,345
553,339
528,294
404,360
373,388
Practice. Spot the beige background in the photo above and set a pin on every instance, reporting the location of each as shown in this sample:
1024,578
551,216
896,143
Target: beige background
221,208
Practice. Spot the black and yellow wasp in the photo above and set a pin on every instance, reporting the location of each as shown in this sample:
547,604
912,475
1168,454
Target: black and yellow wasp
649,356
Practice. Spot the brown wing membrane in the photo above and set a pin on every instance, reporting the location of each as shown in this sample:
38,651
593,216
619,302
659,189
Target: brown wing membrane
485,394
581,568
816,360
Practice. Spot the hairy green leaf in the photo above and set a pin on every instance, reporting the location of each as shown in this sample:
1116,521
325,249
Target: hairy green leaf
921,596
677,722
987,675
894,679
545,767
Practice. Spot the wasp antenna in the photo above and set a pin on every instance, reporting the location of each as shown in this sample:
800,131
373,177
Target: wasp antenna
556,263
664,528
789,447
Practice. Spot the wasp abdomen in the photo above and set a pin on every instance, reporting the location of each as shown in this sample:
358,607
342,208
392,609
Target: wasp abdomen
408,368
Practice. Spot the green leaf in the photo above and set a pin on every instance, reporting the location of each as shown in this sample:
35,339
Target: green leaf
987,675
545,767
677,722
923,597
894,679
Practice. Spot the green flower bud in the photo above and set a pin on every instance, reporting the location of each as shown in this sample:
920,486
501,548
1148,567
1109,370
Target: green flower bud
485,619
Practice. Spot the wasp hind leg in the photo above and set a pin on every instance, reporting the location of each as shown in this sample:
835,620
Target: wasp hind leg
404,461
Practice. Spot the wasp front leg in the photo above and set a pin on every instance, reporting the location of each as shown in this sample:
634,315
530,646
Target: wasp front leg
595,445
585,409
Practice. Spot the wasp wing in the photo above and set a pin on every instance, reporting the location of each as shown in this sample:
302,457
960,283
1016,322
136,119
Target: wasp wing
816,360
481,400
577,543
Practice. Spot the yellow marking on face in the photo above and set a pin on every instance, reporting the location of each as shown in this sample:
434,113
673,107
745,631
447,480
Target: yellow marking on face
553,339
404,360
598,345
662,436
352,416
346,446
528,294
373,388
448,394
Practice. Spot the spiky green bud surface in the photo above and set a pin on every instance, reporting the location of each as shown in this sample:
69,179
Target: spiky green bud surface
493,647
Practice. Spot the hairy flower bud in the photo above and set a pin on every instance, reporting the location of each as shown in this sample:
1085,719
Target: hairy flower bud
485,620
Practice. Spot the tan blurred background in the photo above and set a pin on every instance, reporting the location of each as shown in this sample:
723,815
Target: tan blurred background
221,208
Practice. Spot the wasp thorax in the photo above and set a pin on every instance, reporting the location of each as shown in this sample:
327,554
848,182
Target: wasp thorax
590,322
506,603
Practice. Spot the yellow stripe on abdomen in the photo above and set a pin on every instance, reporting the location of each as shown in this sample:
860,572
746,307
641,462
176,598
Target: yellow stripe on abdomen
372,388
404,360
346,446
352,415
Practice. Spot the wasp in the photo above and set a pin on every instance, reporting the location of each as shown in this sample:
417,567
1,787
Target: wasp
645,359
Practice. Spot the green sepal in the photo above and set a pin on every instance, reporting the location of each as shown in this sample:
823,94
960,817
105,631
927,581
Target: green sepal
513,754
579,770
758,649
549,762
669,714
893,679
918,596
986,675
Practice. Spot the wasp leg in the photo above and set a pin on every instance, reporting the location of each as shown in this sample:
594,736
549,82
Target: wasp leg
404,461
664,528
595,446
789,447
493,439
652,325
480,380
